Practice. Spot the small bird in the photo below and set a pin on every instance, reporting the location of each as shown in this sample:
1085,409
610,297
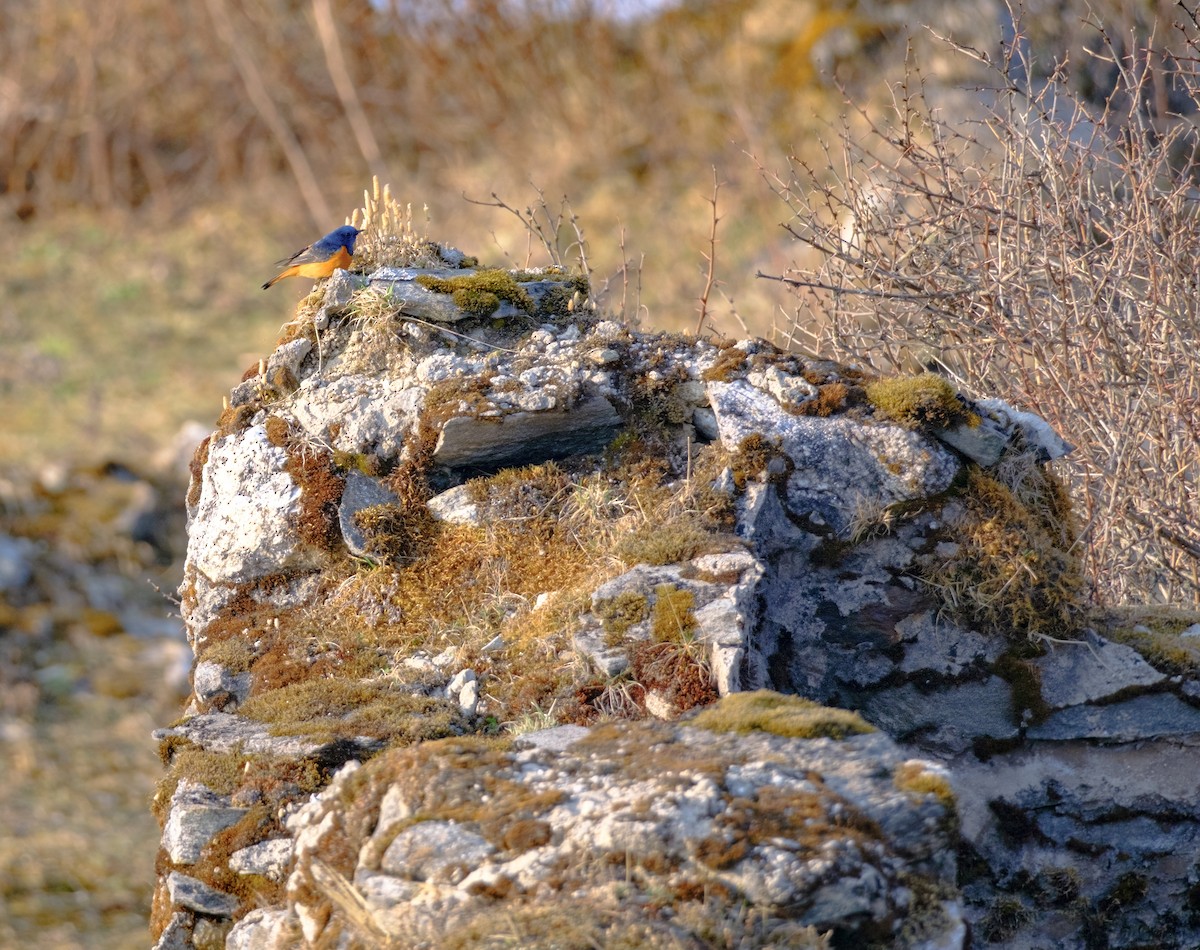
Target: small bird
321,258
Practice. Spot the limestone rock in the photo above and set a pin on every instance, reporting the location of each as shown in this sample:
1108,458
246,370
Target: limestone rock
360,492
692,815
836,463
263,927
245,524
197,814
628,526
434,851
1095,669
223,732
189,893
217,688
455,506
722,610
269,859
1035,431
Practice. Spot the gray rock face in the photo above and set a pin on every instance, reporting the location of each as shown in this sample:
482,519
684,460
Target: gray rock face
269,859
360,492
197,814
681,806
723,610
216,687
194,895
1093,670
523,438
245,523
838,465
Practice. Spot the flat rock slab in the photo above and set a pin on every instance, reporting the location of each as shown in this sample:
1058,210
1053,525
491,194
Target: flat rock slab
958,714
189,893
197,815
526,438
1144,717
222,732
1096,669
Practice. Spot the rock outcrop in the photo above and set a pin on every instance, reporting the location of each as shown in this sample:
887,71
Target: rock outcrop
514,624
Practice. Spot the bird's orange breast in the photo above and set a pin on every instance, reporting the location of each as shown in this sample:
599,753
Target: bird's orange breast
320,268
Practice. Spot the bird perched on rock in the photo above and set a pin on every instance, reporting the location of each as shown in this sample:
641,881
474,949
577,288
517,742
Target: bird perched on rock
320,258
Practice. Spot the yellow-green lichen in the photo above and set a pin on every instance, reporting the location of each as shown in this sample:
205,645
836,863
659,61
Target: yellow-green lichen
919,401
791,716
1156,634
617,614
680,539
361,462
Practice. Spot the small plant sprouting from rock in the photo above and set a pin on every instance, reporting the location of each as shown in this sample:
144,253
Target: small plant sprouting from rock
390,237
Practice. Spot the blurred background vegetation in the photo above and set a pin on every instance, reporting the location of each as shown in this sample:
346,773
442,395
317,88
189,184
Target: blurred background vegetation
157,157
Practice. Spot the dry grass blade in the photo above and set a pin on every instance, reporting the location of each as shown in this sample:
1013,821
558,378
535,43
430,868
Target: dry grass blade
354,907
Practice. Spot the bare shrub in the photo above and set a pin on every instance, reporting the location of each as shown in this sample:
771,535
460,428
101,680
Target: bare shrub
1047,253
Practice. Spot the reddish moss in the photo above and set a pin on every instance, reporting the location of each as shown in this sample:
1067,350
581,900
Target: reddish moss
677,672
235,418
196,469
730,363
831,398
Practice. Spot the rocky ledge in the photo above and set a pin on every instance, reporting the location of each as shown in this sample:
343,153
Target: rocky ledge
515,626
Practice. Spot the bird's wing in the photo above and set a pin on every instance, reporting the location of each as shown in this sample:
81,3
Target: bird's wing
313,254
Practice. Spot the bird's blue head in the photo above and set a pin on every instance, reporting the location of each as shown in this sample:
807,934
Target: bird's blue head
345,236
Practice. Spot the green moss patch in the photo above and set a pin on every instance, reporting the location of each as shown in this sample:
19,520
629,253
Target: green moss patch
920,401
672,619
1155,633
619,613
791,716
335,708
480,294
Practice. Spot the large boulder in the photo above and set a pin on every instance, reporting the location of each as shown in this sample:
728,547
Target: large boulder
421,533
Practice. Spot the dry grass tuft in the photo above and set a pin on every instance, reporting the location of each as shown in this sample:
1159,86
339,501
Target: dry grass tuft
390,237
1015,571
